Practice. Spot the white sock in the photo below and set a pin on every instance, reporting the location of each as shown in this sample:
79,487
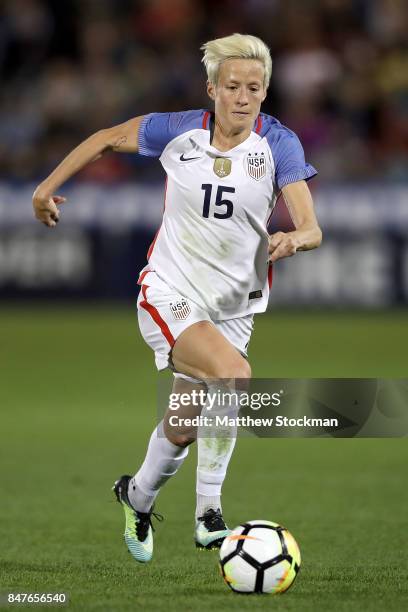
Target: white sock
214,450
205,502
163,459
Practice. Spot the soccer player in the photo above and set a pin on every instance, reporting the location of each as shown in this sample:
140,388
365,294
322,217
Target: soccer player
209,266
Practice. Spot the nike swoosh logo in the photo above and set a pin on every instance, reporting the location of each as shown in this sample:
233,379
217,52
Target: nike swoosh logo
182,158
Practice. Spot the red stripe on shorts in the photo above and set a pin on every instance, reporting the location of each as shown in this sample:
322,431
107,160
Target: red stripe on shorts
154,313
142,276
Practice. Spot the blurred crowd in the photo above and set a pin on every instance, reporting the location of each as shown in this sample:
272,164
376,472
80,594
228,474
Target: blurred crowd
71,67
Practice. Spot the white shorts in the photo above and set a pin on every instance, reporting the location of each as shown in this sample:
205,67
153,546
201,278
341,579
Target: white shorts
164,314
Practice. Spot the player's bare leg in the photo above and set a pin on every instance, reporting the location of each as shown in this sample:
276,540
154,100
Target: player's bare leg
180,433
201,351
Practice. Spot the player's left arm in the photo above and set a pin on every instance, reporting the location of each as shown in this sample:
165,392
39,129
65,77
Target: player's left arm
307,234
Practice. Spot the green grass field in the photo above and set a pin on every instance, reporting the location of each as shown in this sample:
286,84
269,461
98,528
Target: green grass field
77,399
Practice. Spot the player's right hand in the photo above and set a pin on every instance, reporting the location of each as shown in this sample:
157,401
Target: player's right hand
46,208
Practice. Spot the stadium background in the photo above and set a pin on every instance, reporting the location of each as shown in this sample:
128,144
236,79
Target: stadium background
78,386
339,80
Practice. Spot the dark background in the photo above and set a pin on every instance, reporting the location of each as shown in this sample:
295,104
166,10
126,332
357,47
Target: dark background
70,68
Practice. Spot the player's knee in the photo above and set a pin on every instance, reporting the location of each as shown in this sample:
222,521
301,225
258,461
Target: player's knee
178,436
243,370
236,369
180,439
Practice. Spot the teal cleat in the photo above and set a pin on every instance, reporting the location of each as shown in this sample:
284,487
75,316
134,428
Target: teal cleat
138,530
210,530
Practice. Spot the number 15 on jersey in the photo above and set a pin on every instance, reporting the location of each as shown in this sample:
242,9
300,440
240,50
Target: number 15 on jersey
219,201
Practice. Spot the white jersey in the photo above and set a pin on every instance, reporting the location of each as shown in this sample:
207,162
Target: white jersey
212,246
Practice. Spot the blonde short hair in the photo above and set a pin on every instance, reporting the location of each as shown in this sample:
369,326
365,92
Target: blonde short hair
243,46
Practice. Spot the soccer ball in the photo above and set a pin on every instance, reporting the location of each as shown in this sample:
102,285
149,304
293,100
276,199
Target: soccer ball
259,557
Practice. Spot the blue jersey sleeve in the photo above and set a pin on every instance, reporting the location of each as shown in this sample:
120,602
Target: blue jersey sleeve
158,129
288,155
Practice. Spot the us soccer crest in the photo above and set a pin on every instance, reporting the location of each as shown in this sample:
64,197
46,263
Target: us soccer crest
180,309
256,165
222,166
